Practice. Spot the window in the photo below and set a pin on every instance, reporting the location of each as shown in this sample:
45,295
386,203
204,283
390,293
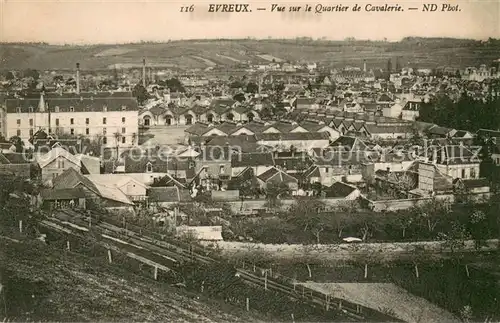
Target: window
472,173
124,107
18,110
124,140
327,169
18,122
123,130
71,109
104,140
87,131
222,169
57,122
31,109
105,108
104,131
31,132
103,120
18,133
149,168
463,173
72,131
87,121
123,119
60,163
71,121
31,122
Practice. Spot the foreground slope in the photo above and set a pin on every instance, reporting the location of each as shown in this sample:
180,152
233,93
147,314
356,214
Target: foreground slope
41,283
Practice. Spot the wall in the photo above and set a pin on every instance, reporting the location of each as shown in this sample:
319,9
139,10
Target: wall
51,170
356,252
253,205
403,204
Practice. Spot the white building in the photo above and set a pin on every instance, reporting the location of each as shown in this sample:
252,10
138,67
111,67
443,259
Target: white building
112,117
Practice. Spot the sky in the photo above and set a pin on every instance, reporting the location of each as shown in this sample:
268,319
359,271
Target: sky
122,21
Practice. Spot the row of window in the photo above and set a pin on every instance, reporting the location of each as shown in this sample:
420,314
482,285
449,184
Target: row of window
72,131
71,121
71,109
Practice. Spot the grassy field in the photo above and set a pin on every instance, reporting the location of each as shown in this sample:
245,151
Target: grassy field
45,284
419,52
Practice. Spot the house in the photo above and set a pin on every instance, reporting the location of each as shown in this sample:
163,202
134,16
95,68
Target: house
16,164
431,180
456,161
347,143
281,126
393,111
342,190
52,199
301,141
477,189
411,110
336,166
275,176
259,162
134,189
318,126
213,166
440,132
56,162
107,196
306,103
84,113
385,131
90,164
292,162
167,196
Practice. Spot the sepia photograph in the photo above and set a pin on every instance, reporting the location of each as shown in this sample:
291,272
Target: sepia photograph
259,161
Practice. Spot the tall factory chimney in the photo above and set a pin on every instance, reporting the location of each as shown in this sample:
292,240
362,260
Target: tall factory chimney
78,78
144,72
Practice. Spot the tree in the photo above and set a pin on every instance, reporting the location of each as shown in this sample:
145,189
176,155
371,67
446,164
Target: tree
252,88
17,142
140,93
31,73
306,213
273,193
240,97
9,76
345,215
174,85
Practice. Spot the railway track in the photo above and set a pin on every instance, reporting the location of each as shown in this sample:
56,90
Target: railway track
156,249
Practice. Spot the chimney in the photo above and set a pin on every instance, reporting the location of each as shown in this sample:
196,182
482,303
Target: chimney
144,72
364,65
78,78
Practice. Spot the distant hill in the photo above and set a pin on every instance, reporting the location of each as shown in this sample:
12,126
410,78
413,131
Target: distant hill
418,52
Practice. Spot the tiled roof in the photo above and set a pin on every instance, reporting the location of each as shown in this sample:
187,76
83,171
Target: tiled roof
293,136
70,178
47,158
198,129
339,189
62,194
252,159
80,103
164,194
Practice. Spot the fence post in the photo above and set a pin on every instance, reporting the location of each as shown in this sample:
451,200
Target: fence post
68,246
109,256
340,304
156,273
248,304
20,226
265,280
293,318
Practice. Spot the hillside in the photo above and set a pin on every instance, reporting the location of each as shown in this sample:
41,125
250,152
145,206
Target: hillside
45,284
419,52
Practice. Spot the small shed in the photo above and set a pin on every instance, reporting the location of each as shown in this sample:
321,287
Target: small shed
53,199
